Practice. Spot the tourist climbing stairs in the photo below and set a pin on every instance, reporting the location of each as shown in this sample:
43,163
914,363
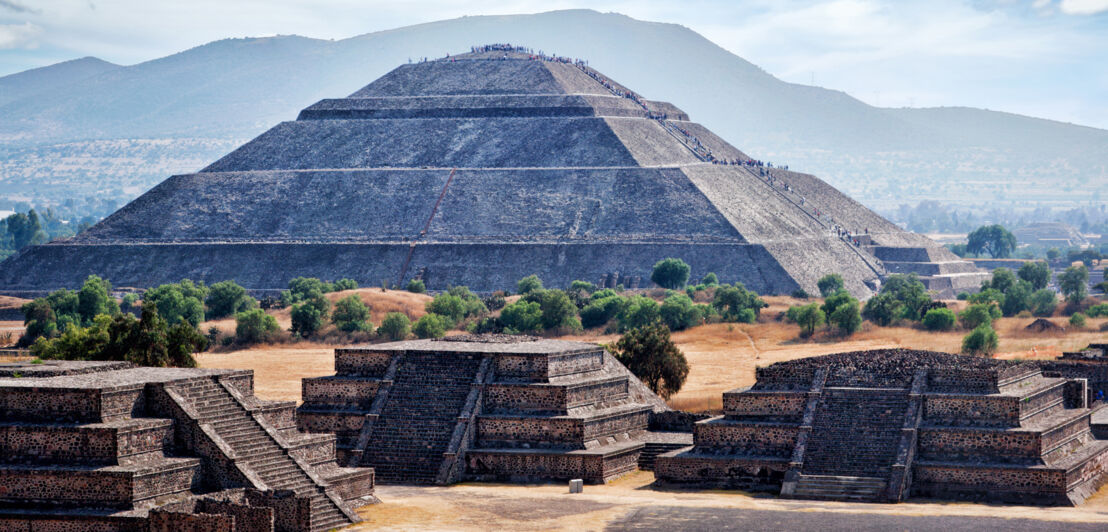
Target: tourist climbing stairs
258,451
853,443
414,428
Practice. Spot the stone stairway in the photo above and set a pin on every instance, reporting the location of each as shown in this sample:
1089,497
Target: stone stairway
651,450
414,427
839,487
258,451
854,435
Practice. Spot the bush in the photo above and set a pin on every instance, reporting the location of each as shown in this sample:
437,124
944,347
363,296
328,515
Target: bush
431,326
1002,280
416,286
670,273
448,306
582,286
882,309
344,284
558,312
977,315
829,284
836,300
981,341
1043,302
1017,298
1037,273
962,296
800,293
521,317
255,326
809,317
650,354
939,319
303,288
709,279
177,302
601,311
846,317
1097,311
394,326
226,298
528,284
679,313
1077,320
729,302
496,301
1074,283
638,312
94,299
986,295
351,315
308,317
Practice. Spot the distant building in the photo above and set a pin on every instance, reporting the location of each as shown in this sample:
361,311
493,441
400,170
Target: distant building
1051,234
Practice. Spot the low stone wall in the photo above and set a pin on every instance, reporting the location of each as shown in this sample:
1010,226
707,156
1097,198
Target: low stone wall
73,523
783,406
95,444
593,468
971,410
246,518
340,390
361,362
675,420
339,422
107,488
1036,486
720,471
547,398
561,432
974,444
750,439
165,521
541,368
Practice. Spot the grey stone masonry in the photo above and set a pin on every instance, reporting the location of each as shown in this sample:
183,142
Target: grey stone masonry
884,425
482,407
109,446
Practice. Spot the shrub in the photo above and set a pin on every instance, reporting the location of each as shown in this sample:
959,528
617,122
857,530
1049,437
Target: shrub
1097,311
981,341
729,302
679,313
829,284
1037,273
308,317
558,312
496,301
528,284
344,284
601,311
1074,283
1077,320
394,326
638,312
846,317
582,286
448,306
254,326
800,293
351,314
416,286
939,319
1043,302
962,296
909,294
93,299
977,315
431,326
709,279
670,273
177,302
1002,280
809,317
650,354
986,295
882,309
303,288
521,317
836,300
226,298
1017,298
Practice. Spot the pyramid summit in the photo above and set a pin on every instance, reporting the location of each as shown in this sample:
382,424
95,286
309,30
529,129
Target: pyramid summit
479,169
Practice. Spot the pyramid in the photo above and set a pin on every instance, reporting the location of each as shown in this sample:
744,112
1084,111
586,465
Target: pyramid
480,169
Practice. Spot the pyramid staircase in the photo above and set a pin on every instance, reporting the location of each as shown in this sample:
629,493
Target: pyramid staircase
853,443
410,436
259,452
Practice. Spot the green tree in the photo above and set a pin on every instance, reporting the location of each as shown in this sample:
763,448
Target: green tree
394,326
529,284
1043,303
1053,253
939,319
639,311
95,298
416,286
995,240
730,300
981,341
977,315
226,298
309,316
679,313
882,309
254,326
829,284
448,306
809,317
710,279
303,288
557,310
1037,273
582,286
1002,280
1017,298
909,292
600,311
521,317
351,314
1074,283
835,300
650,354
846,318
670,273
1077,321
180,301
25,230
431,326
345,284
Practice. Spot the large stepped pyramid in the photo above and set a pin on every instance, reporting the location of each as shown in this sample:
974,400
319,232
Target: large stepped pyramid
493,407
479,169
886,424
108,446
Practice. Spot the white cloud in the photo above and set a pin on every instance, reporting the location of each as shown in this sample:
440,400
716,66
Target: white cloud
1084,7
14,36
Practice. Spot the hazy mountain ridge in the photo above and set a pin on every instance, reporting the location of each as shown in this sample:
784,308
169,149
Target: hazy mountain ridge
237,88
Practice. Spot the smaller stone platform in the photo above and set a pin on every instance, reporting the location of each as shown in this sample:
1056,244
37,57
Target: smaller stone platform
104,446
490,407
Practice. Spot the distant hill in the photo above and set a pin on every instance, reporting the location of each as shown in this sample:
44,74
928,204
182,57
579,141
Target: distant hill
236,88
32,82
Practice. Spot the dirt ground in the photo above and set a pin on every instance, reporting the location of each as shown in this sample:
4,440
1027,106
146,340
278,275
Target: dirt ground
474,506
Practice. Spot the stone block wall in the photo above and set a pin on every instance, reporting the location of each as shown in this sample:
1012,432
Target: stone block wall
725,437
340,390
361,362
166,521
96,444
777,406
971,410
961,444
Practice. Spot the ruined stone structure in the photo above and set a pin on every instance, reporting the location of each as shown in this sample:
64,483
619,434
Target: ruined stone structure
101,446
883,425
482,407
478,170
1090,364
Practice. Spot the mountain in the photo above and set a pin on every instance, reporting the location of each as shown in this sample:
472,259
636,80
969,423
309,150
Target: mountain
31,82
236,88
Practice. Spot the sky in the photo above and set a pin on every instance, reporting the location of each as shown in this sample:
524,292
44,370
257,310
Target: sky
1043,58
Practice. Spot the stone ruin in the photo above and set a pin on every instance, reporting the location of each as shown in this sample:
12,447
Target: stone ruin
883,425
1090,364
485,408
480,169
106,446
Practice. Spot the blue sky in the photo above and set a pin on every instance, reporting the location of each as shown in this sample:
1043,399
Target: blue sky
1045,58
